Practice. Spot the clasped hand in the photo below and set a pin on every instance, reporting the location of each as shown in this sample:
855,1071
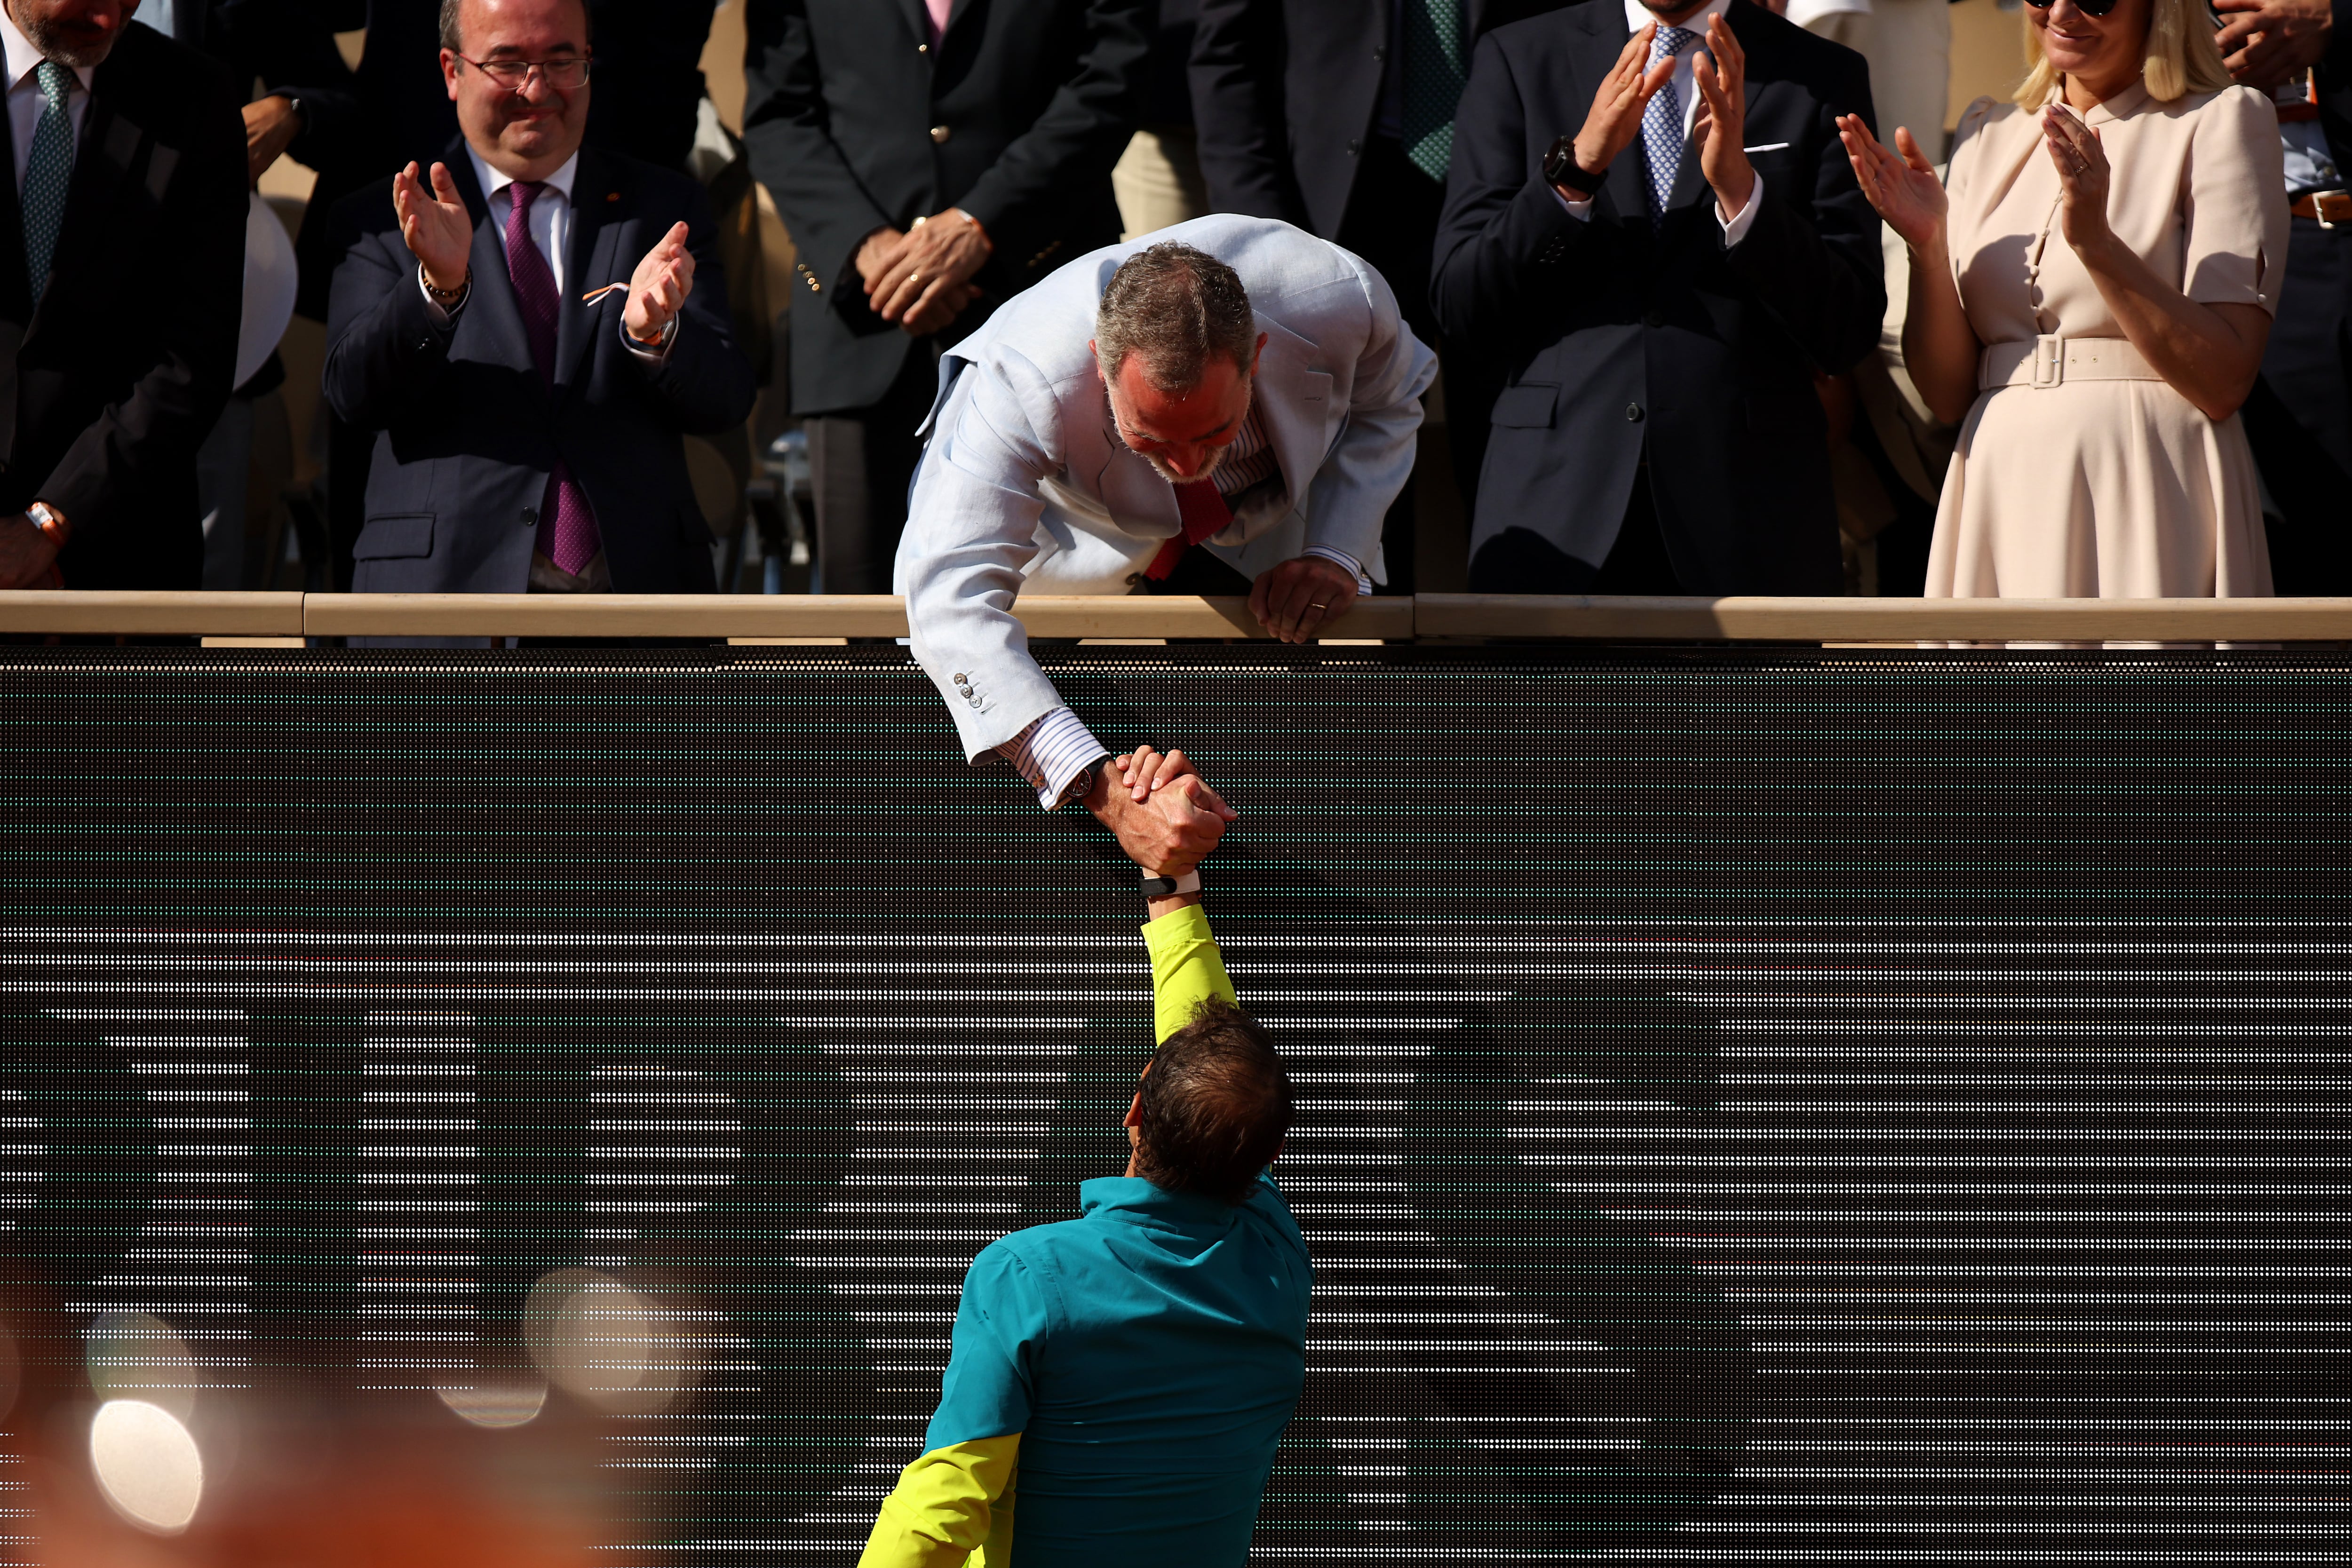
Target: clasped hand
1162,812
28,557
921,278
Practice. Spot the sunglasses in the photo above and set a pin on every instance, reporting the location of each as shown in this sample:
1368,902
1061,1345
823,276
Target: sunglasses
2088,7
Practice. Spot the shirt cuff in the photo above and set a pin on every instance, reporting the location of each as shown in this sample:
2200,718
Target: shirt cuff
1341,557
441,315
1736,229
1056,755
1581,211
654,353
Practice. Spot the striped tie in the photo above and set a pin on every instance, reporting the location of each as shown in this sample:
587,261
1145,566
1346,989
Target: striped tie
48,170
1661,124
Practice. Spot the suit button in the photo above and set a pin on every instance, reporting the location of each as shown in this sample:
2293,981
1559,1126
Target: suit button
940,133
1634,413
1354,147
530,516
1380,53
1653,319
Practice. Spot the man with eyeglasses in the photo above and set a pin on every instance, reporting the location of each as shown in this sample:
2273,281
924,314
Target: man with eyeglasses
532,329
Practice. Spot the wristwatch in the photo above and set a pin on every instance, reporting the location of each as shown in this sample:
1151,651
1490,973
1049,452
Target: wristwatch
1561,168
1170,886
50,521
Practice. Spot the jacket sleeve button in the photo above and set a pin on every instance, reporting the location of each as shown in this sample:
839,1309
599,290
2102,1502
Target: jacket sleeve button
940,133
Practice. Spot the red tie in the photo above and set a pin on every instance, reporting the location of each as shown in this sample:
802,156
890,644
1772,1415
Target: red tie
1202,514
567,524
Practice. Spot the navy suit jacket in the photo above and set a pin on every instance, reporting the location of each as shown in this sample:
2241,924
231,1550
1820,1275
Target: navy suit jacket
111,379
1619,343
1285,93
469,429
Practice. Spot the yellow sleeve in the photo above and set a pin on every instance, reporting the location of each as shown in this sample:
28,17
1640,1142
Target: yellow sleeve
948,1505
1186,969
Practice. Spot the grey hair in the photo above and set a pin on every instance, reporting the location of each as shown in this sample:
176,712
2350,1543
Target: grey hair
1176,308
452,38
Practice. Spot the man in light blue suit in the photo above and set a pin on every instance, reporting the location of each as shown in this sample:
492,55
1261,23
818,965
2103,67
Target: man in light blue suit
1227,406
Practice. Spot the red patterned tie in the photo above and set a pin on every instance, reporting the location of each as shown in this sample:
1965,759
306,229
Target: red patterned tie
567,527
1202,514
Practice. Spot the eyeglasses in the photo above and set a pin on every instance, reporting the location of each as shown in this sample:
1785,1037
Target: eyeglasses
2088,7
564,75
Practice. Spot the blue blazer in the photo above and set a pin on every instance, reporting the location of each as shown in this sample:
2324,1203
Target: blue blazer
1619,343
469,430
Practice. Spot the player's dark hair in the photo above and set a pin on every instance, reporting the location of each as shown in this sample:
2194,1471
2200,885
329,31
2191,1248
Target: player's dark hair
1214,1106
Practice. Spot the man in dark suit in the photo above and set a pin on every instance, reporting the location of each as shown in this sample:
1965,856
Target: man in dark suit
931,159
2299,419
1651,221
121,273
531,412
1338,116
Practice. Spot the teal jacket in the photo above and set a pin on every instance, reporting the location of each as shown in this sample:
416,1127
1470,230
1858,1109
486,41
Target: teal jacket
1118,1381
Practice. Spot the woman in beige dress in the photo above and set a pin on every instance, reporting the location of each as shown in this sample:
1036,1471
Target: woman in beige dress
2090,295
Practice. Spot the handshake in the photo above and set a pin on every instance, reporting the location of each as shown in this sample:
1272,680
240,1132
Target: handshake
1163,812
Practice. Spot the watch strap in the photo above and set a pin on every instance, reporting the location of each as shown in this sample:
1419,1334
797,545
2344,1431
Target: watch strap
1170,886
1561,168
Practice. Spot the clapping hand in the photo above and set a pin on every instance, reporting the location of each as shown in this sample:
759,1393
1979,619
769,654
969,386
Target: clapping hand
434,223
2082,171
659,288
1162,812
1904,189
1721,122
1615,117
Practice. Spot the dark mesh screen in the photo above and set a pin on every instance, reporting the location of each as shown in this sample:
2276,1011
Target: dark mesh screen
1756,1106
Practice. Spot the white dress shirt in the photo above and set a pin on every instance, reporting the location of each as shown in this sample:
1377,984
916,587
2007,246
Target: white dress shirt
26,99
1685,82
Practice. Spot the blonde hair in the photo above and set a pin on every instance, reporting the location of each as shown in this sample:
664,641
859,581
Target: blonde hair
2182,57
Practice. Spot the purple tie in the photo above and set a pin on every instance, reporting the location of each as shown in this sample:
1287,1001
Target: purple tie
567,528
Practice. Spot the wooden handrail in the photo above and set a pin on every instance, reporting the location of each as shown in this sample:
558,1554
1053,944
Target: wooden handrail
1441,616
1885,619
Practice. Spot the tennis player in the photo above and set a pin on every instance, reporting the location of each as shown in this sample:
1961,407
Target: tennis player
1118,1381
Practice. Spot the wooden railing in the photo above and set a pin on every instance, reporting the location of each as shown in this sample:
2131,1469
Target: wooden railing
269,618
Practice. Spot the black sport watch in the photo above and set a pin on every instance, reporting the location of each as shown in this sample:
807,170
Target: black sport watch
1561,168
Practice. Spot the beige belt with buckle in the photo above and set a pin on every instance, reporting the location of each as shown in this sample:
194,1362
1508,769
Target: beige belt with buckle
2053,359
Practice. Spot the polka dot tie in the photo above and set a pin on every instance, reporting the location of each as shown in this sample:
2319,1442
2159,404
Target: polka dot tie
48,170
1661,124
1434,70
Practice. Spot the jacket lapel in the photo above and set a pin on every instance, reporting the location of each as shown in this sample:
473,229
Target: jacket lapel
589,262
492,319
1294,399
109,147
15,294
918,19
